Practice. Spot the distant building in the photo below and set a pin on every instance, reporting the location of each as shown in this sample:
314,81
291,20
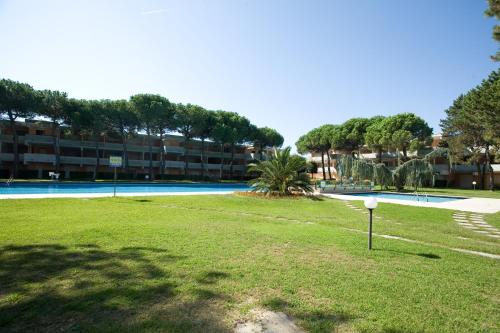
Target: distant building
461,175
78,155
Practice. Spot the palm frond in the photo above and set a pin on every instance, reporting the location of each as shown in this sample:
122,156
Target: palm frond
281,175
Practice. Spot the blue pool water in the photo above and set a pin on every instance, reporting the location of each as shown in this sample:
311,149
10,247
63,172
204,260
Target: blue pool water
408,197
72,188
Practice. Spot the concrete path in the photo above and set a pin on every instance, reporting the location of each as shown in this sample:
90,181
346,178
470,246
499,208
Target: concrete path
474,205
475,223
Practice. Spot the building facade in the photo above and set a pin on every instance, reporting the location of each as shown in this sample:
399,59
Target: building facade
82,156
460,176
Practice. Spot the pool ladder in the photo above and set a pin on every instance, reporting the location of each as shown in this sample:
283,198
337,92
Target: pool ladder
422,195
11,179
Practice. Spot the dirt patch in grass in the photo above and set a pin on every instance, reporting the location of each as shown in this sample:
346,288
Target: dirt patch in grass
266,321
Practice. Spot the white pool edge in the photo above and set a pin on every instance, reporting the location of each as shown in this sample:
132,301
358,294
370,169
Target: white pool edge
106,195
475,205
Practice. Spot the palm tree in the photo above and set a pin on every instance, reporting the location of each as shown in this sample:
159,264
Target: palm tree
283,174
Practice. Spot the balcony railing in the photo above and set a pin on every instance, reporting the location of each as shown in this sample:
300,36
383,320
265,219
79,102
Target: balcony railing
65,143
91,161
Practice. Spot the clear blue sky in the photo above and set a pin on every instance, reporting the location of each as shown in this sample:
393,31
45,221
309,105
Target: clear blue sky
291,65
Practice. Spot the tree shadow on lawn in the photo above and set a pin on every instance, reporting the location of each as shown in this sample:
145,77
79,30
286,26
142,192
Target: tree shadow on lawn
313,321
47,288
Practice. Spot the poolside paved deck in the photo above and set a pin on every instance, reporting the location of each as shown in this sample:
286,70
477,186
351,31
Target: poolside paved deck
474,205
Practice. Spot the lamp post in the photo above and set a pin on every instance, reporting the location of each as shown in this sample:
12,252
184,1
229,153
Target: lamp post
474,184
371,204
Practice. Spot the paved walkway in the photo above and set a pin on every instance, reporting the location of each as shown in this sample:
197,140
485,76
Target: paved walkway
474,205
475,222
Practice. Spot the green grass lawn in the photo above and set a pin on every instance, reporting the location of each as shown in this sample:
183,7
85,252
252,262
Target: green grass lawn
459,192
201,263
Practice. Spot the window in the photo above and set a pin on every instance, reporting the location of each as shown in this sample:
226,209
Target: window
39,132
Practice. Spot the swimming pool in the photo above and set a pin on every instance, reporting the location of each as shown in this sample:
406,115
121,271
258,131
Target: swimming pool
408,197
107,188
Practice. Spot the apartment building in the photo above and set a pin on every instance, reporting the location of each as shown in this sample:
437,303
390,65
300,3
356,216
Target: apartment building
78,155
461,176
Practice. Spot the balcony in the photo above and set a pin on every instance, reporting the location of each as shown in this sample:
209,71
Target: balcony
7,157
66,143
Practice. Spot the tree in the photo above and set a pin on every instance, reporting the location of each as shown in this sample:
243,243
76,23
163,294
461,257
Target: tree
164,122
405,129
311,167
473,122
149,108
265,137
415,173
240,132
362,170
53,106
311,143
203,127
382,175
326,133
187,116
17,100
352,134
441,152
281,175
345,166
120,118
401,140
494,11
374,136
221,134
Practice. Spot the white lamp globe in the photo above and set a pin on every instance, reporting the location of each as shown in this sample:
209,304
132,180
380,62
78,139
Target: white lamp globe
474,183
371,203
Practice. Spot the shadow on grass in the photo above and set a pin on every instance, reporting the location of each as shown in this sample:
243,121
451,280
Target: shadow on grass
212,277
48,288
429,255
313,321
420,254
143,200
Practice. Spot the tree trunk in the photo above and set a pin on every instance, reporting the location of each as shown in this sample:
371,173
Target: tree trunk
405,153
97,158
329,169
125,151
221,160
323,165
57,148
232,162
380,154
260,152
480,175
15,146
488,168
202,158
162,162
185,156
150,144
